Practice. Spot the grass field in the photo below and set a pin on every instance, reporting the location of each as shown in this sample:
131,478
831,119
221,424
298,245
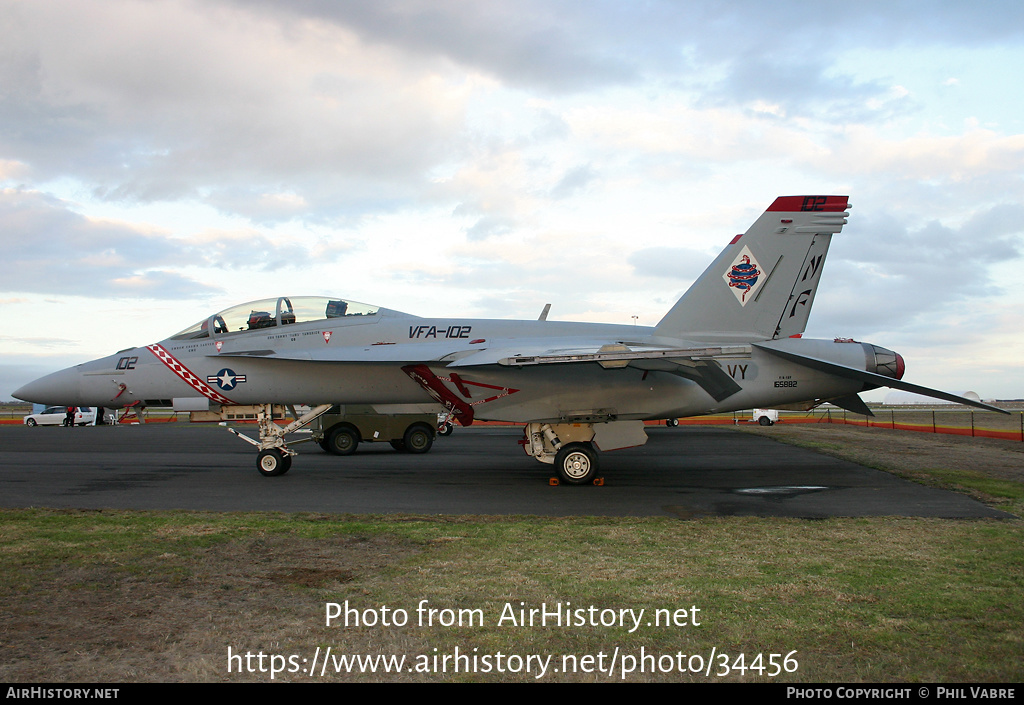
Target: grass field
161,596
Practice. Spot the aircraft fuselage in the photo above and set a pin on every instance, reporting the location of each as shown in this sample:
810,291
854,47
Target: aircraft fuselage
295,364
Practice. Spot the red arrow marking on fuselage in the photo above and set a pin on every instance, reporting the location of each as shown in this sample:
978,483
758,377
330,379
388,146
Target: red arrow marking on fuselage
189,377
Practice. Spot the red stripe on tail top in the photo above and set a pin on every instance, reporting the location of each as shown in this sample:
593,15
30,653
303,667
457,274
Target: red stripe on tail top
794,204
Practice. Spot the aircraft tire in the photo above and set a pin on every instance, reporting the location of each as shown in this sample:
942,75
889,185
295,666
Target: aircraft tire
445,429
342,440
576,463
418,438
764,421
272,462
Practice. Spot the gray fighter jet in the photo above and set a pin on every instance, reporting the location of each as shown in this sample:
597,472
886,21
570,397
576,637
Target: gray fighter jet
733,341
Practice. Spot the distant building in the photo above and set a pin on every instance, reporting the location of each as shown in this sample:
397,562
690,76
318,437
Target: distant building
900,398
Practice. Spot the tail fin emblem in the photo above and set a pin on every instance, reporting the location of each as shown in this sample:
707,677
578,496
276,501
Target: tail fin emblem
743,276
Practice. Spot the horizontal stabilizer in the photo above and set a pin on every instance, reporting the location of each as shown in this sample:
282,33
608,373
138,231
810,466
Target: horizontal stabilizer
852,403
872,378
708,374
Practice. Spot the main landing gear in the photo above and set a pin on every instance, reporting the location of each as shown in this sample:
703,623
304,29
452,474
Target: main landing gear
572,447
576,463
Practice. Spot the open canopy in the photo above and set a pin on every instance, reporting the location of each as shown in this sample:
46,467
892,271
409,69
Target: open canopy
269,313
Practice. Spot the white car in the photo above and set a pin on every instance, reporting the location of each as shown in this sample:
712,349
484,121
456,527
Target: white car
56,416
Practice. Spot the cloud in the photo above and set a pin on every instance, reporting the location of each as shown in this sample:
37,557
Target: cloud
949,158
672,129
526,44
157,284
249,249
575,180
50,248
489,226
36,342
325,112
574,46
193,101
677,263
800,86
899,277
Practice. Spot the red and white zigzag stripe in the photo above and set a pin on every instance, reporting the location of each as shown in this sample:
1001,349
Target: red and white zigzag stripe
189,377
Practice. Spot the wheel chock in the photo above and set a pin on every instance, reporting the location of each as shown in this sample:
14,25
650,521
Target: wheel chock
555,482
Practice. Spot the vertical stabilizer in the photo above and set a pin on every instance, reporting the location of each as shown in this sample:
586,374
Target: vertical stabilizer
763,284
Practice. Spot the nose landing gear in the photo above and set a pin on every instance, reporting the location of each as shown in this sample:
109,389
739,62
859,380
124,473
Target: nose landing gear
275,457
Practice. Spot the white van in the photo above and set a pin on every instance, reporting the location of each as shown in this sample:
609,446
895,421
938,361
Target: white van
57,416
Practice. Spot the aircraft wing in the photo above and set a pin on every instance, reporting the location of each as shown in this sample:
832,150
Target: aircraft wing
872,378
505,352
699,365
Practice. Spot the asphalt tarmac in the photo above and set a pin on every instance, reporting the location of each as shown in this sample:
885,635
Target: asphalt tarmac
682,472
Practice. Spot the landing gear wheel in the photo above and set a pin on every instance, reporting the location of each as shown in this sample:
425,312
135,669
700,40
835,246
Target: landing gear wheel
342,440
418,438
671,423
764,421
444,429
273,462
576,463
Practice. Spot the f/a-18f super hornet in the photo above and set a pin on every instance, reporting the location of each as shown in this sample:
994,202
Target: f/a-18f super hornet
732,341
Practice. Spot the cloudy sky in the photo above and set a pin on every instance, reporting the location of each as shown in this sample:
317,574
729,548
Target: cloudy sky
164,159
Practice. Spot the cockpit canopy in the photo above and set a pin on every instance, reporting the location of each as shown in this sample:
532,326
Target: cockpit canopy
271,313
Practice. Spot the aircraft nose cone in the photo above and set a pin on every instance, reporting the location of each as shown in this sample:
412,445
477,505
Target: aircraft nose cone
57,388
